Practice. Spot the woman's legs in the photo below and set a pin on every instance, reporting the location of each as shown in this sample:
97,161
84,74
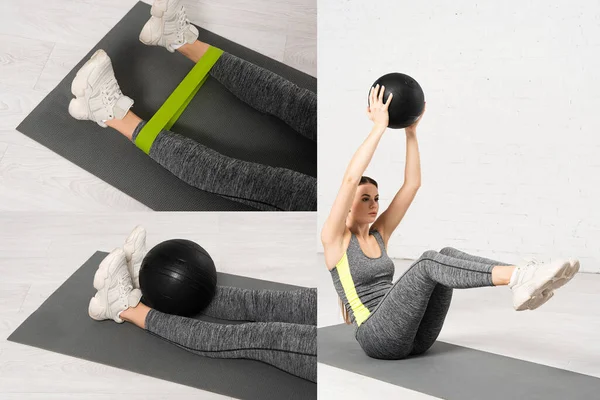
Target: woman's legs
269,93
262,89
262,186
441,297
289,347
452,252
500,275
433,319
391,330
237,304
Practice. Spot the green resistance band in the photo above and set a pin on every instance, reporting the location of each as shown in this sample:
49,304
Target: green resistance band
177,102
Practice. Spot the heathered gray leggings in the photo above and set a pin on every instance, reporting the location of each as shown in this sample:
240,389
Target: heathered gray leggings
284,333
410,316
261,186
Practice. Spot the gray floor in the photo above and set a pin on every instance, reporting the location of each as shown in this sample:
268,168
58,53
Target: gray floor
39,252
562,334
40,41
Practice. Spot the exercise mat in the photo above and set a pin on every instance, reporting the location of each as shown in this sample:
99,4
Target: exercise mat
62,325
214,118
454,372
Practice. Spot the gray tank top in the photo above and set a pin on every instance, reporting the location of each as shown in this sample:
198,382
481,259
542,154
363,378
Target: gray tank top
362,281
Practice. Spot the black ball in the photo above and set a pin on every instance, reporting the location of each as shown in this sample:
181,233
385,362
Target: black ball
178,277
408,101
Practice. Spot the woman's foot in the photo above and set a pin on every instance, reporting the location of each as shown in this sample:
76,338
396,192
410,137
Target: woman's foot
98,95
169,26
534,284
115,291
135,251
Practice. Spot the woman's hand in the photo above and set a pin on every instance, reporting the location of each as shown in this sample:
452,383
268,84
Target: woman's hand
412,130
377,109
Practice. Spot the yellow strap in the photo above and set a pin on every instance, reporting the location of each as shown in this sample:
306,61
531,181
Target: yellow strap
361,313
177,102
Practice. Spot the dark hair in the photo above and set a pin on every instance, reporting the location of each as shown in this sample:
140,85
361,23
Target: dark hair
365,179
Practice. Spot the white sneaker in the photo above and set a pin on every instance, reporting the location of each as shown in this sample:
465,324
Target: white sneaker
569,274
169,26
98,95
534,283
135,251
115,292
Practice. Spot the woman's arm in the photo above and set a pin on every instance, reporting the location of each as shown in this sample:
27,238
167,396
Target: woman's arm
389,220
335,225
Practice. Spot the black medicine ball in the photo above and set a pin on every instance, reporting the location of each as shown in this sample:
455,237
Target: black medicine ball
178,277
408,101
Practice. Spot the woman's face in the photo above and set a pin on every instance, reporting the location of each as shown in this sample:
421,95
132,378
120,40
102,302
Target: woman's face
366,204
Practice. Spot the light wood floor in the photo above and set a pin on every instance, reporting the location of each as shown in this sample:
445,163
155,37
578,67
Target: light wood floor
39,252
563,333
42,40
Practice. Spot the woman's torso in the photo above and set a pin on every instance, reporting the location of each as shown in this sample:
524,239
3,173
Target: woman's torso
362,281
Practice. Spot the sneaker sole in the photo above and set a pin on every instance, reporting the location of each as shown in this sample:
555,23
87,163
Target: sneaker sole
80,83
547,287
536,302
568,275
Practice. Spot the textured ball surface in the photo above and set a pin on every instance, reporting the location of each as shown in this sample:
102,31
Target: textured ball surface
178,277
408,101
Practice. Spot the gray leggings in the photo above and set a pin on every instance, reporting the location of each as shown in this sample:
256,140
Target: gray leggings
261,186
410,316
284,333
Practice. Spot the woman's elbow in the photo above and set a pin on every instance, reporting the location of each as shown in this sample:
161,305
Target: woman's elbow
351,180
413,185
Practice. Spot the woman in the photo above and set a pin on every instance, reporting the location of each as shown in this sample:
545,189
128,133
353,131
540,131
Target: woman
283,334
99,99
395,320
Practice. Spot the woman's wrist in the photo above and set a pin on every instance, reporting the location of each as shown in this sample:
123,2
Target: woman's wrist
379,127
411,132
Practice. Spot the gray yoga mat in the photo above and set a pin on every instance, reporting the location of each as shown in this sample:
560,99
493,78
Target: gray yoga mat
62,325
457,373
215,118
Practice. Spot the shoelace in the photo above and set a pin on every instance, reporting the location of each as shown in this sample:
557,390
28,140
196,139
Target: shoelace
182,23
531,262
111,92
125,285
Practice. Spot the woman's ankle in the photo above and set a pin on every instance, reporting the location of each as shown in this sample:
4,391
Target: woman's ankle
136,315
501,274
194,51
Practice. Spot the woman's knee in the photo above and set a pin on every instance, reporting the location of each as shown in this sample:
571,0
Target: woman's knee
447,250
429,254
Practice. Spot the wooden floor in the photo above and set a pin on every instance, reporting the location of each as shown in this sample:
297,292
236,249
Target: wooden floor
563,333
42,40
39,252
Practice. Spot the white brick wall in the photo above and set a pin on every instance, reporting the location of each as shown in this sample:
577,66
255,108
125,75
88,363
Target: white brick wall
510,144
